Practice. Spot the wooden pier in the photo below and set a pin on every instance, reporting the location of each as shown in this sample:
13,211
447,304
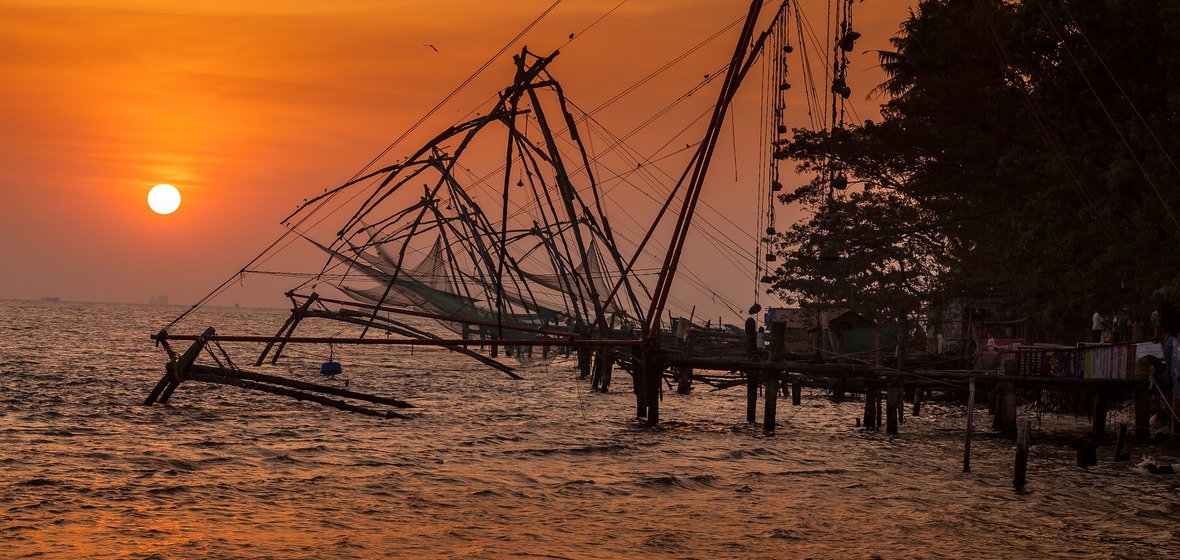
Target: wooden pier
888,386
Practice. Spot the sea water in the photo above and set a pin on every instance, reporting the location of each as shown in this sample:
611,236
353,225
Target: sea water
491,467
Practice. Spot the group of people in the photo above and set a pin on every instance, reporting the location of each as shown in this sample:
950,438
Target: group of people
1121,326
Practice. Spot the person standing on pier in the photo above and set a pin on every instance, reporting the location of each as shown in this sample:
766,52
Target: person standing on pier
1098,324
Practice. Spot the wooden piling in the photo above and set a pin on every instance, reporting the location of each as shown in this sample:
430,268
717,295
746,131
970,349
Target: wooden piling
870,418
752,382
892,406
1020,472
919,399
768,421
584,361
797,393
683,380
638,386
878,402
1008,428
970,421
653,373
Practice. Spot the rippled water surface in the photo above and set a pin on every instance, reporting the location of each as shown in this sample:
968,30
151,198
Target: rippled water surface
489,467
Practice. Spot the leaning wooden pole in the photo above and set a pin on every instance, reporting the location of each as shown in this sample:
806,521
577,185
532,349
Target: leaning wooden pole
175,372
297,395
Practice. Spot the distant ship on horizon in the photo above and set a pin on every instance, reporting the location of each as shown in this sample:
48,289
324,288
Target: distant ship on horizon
158,300
51,298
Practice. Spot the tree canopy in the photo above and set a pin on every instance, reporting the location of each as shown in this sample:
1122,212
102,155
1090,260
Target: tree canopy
1023,153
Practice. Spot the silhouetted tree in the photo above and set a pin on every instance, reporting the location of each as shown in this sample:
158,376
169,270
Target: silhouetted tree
1023,152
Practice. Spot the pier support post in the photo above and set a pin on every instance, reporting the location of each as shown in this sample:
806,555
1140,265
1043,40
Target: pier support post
878,402
653,373
1008,427
604,362
870,414
684,380
638,386
752,382
797,393
892,407
584,361
919,399
768,421
1020,472
970,421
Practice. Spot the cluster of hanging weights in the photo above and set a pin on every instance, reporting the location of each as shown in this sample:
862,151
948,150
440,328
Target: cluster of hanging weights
847,40
840,182
770,230
755,308
776,186
841,87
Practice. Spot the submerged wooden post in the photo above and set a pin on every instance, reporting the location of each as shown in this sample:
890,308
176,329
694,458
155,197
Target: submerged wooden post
919,398
1009,411
797,393
752,382
607,369
1020,472
584,361
638,386
970,421
878,403
870,418
751,377
771,410
892,408
684,380
653,373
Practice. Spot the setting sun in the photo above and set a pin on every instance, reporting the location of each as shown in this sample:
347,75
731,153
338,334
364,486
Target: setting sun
164,199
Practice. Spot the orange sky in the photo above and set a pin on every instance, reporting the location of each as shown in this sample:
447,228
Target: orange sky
250,107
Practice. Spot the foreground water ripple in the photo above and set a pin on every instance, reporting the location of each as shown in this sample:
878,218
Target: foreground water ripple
489,467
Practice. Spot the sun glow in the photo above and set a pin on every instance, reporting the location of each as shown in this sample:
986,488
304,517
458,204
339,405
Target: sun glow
164,199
